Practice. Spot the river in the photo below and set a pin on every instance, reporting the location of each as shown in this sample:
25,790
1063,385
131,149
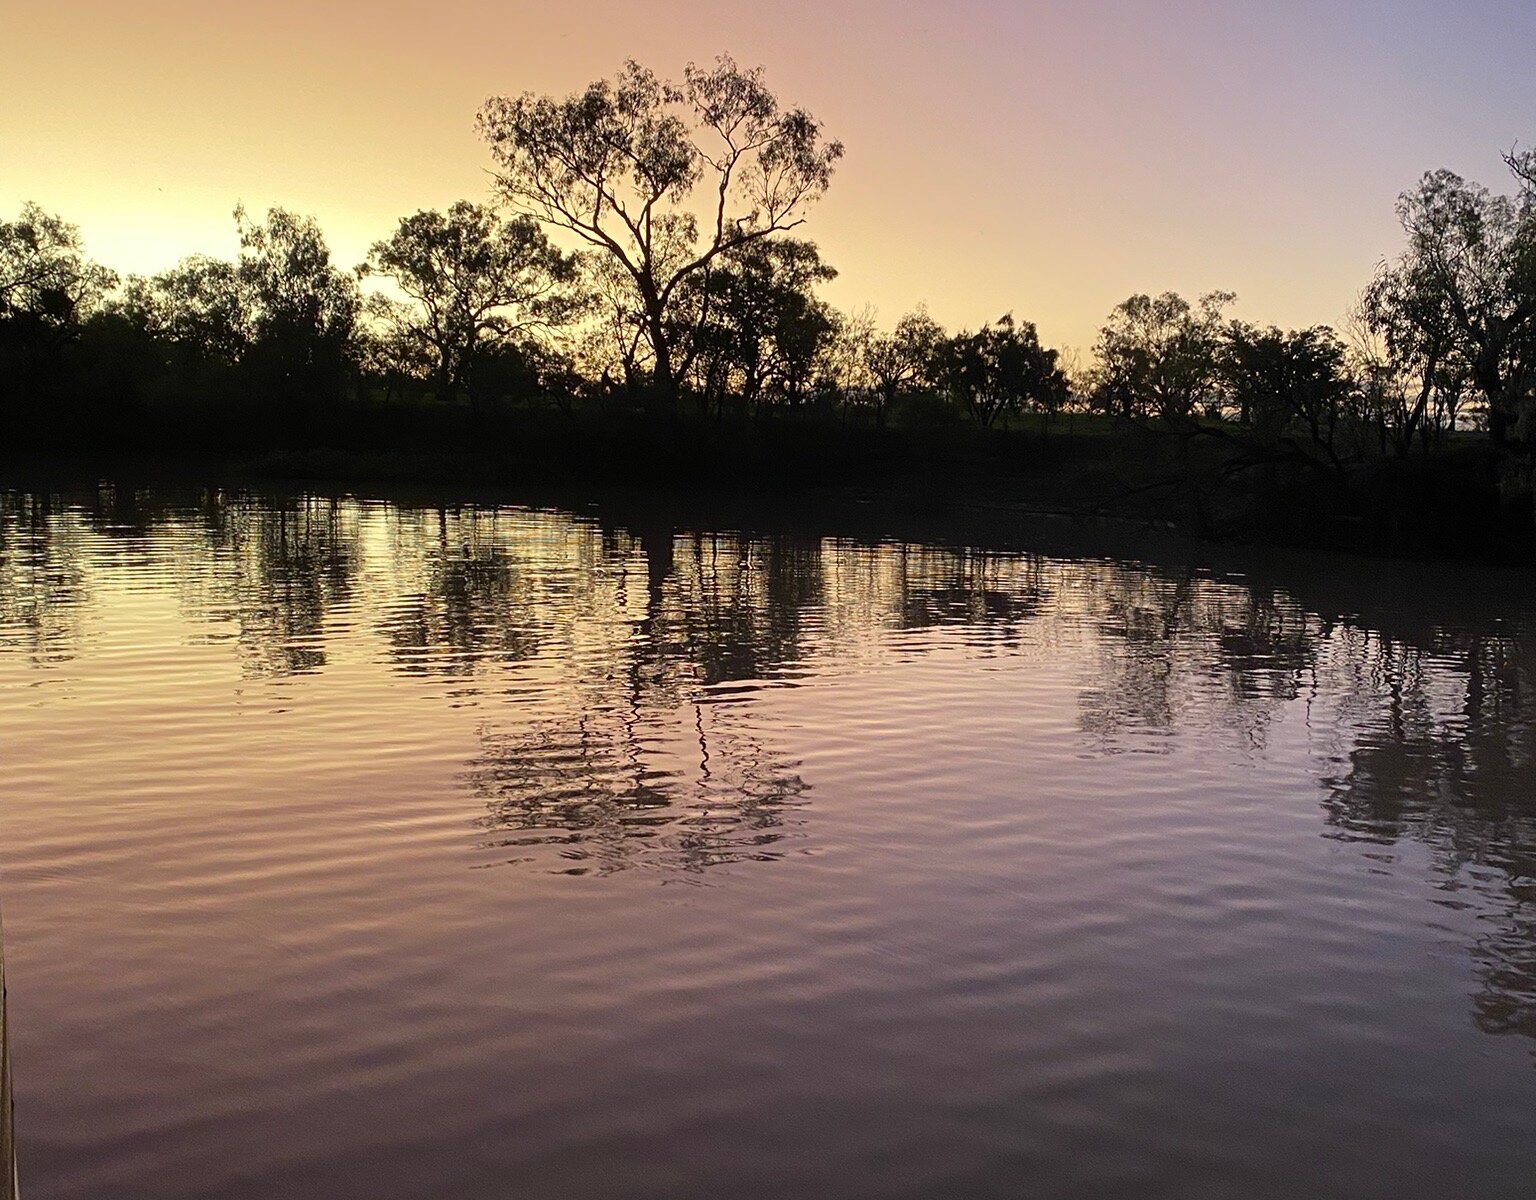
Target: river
359,846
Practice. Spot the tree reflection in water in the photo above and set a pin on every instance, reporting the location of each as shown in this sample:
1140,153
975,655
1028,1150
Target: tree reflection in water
43,581
1448,757
610,797
616,662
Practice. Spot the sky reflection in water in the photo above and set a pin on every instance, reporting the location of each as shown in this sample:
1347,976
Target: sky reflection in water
354,845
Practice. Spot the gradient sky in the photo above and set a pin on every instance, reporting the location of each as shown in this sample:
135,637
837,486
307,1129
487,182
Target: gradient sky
1046,157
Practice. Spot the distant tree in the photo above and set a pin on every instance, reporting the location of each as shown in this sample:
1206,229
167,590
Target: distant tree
509,372
906,357
1001,369
805,331
475,282
612,346
842,372
47,289
1414,345
292,288
390,354
1158,356
1465,287
775,282
44,273
1081,378
1276,378
763,327
198,307
619,164
281,314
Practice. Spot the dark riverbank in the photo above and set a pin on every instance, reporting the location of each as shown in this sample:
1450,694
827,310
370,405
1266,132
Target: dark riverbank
947,482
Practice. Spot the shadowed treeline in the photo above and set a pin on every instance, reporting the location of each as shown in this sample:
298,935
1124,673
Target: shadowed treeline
637,299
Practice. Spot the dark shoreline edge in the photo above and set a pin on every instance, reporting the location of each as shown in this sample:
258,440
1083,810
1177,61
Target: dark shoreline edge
1395,597
920,505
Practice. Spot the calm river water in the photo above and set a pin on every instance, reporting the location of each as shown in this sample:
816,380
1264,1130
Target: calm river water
357,848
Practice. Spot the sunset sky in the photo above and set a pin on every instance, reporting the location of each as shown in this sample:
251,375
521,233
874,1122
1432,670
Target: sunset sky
1049,157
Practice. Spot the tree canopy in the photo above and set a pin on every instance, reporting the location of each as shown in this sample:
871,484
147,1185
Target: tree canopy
663,177
475,281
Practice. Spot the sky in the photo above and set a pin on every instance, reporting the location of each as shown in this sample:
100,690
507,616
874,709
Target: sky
1046,158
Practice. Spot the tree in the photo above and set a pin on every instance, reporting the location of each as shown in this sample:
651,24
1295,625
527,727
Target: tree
475,282
842,372
47,288
803,330
620,164
281,314
389,353
303,311
1466,285
1412,345
1275,378
199,307
1158,356
44,274
1001,369
904,358
763,329
613,341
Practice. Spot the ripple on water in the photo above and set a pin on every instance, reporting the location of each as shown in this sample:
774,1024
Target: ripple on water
358,848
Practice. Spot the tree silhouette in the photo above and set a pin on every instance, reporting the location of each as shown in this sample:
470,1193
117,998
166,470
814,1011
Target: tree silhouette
198,307
475,282
763,327
618,165
1465,287
1275,378
303,310
1158,355
1411,366
47,288
906,357
282,316
44,273
1001,369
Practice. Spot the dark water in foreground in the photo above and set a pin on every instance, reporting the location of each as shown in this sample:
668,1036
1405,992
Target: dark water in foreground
355,849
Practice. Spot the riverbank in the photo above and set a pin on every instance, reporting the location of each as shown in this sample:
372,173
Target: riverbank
1213,487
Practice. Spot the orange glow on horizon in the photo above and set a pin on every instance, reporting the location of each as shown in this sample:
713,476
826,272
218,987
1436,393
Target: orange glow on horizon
1044,158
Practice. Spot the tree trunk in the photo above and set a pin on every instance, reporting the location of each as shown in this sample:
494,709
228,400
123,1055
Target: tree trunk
661,402
1486,372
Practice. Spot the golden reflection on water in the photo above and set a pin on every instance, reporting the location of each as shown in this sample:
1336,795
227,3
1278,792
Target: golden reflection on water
308,736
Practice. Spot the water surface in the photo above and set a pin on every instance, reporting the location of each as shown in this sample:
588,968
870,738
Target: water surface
357,848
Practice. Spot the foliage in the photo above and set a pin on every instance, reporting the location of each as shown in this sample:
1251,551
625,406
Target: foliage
1461,298
45,277
1276,378
199,306
475,282
297,301
621,166
1159,357
761,328
907,357
1000,370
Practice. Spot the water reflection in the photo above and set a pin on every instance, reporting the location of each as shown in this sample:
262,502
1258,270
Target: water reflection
608,797
42,580
1175,650
281,572
615,665
1447,756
